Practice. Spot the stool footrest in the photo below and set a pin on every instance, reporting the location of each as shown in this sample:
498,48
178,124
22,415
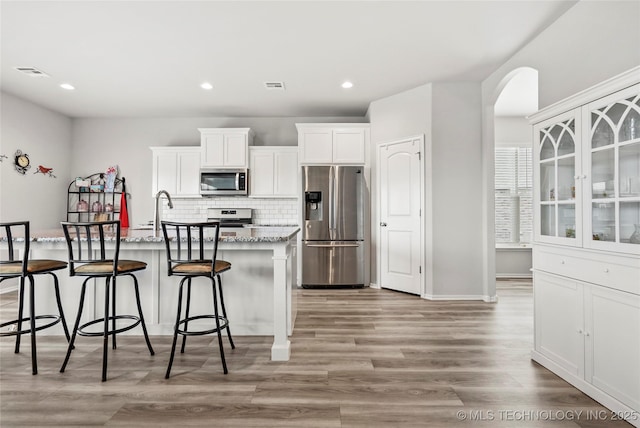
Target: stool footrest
223,324
56,319
81,331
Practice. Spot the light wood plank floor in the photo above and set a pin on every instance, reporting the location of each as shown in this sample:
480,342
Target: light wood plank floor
360,358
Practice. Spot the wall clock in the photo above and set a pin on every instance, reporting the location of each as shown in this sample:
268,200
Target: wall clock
22,162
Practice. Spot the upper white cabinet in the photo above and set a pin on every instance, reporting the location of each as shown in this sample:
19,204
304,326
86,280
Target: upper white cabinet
225,147
332,143
587,171
176,170
558,173
273,171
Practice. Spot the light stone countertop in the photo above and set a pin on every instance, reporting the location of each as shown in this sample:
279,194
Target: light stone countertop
248,234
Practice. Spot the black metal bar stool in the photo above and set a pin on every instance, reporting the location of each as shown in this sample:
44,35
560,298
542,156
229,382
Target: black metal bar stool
90,257
190,259
12,267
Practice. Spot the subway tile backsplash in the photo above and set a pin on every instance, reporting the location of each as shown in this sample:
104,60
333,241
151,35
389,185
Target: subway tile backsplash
270,212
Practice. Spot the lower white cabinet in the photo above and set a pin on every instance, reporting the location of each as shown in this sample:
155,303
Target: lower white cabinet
589,334
176,170
273,171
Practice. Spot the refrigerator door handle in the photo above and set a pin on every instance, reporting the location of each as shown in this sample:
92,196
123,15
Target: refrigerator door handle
333,245
332,205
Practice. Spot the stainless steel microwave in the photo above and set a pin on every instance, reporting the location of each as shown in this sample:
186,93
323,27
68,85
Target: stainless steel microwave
220,182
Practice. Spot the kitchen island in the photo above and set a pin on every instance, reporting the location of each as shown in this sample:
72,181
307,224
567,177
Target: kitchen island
258,288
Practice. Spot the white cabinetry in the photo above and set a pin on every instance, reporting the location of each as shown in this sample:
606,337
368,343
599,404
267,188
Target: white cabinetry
273,171
176,170
591,333
332,143
586,253
225,147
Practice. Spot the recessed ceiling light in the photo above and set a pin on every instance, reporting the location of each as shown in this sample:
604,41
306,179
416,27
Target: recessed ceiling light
347,85
206,85
67,86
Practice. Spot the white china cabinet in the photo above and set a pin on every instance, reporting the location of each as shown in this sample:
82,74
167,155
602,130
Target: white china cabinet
586,253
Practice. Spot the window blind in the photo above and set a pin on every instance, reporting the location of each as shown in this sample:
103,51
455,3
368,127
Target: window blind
513,194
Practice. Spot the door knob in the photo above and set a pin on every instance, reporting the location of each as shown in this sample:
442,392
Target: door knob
383,224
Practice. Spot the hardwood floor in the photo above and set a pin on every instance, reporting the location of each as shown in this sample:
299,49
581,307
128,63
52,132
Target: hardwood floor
360,358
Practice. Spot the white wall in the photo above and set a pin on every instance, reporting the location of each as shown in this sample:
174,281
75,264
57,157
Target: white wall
457,189
46,137
98,143
512,132
448,114
591,42
393,118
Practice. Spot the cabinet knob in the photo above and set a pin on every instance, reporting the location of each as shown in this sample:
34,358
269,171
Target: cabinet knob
576,177
579,331
561,262
606,270
383,224
586,333
584,176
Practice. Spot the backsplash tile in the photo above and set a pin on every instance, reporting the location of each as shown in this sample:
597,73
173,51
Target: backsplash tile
265,211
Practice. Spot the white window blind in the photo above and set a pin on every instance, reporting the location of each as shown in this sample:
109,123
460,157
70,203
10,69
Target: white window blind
513,186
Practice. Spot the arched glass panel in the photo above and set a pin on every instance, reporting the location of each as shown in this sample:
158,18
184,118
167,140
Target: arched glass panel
603,134
630,127
567,144
615,112
546,151
555,132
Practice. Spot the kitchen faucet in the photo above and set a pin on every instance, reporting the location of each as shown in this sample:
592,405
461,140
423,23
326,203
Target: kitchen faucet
156,216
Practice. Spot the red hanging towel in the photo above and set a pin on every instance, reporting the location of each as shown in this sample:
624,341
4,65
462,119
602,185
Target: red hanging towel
124,215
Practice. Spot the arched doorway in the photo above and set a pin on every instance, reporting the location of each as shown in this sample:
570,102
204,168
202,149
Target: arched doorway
491,94
513,216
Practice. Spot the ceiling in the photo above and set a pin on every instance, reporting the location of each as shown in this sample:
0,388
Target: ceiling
148,58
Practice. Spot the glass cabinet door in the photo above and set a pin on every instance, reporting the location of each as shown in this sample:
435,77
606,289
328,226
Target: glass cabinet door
614,164
557,143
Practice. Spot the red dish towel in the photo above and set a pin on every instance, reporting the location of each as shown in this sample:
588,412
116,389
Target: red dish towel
124,215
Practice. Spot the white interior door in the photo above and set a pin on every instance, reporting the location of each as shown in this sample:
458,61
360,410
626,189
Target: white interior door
400,228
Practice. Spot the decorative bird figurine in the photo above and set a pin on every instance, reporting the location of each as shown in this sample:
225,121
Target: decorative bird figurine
44,170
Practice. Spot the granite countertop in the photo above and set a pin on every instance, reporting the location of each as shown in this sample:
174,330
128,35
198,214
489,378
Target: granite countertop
248,234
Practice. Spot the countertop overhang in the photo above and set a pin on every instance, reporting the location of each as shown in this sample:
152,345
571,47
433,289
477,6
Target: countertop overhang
247,234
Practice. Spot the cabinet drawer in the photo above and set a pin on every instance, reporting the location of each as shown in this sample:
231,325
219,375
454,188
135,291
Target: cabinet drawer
621,273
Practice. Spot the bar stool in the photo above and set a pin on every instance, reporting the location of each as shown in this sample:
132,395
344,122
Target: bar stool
190,259
11,267
89,257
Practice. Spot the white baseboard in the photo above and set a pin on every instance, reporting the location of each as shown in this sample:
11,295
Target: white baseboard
514,275
459,297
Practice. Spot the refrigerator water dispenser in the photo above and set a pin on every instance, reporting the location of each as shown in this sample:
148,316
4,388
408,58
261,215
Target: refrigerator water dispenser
313,206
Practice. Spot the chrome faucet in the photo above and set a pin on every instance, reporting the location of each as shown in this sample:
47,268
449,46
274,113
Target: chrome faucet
156,214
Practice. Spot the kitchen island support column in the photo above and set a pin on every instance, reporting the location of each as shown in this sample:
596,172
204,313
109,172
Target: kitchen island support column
281,349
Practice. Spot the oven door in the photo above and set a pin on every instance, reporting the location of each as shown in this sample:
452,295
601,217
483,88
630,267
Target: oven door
223,182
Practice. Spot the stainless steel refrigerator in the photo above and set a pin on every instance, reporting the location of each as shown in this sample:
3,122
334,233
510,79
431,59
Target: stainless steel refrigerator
333,232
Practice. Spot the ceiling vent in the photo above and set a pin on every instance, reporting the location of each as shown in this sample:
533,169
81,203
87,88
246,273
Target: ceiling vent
32,71
274,85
